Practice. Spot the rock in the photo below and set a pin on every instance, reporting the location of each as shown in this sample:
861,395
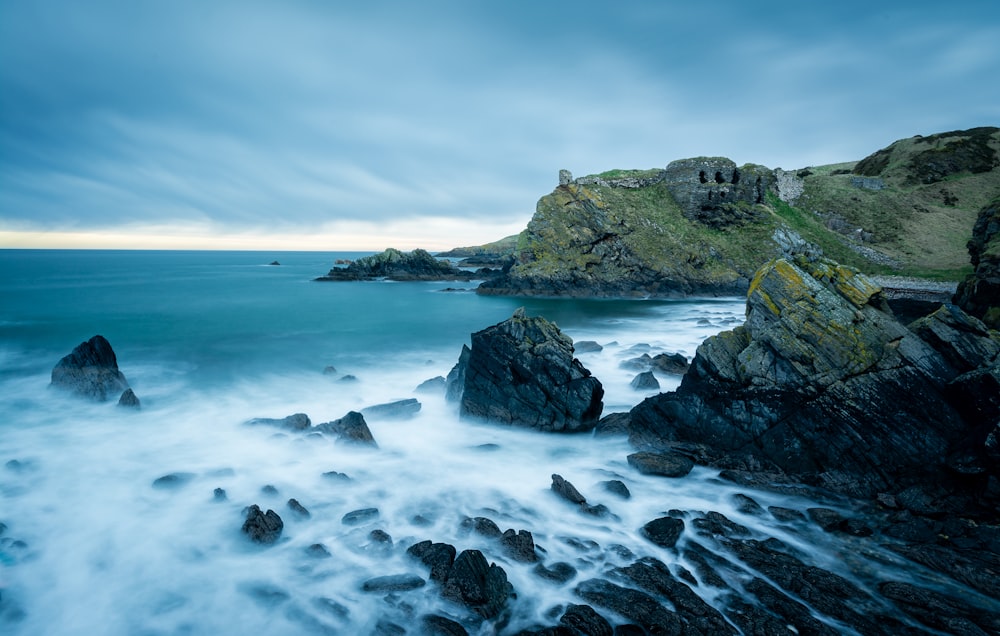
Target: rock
129,399
329,370
642,363
318,551
583,620
519,545
455,382
173,481
439,557
298,509
90,371
645,381
664,531
825,518
269,490
392,264
336,476
481,526
296,422
587,346
480,586
713,191
393,583
939,611
698,616
747,505
351,429
434,385
632,604
262,527
435,625
617,487
979,293
219,495
820,364
613,424
357,517
566,490
522,372
671,363
559,572
398,410
662,464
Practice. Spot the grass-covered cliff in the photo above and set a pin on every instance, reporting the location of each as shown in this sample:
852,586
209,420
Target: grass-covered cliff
704,225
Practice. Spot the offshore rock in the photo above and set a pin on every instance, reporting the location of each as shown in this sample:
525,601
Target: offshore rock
90,371
262,527
351,429
480,586
823,384
393,264
979,293
522,372
296,422
129,399
398,410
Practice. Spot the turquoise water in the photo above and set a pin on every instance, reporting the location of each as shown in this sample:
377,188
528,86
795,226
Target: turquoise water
209,340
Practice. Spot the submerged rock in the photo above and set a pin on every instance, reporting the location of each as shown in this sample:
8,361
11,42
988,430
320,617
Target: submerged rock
90,371
294,422
262,527
522,372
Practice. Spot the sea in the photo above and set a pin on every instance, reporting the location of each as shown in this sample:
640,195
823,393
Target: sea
209,340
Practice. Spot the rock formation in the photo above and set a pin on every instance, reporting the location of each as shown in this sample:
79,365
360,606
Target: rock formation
393,264
979,293
823,383
91,371
713,191
522,372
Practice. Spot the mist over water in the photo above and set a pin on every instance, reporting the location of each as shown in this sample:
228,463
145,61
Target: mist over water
211,340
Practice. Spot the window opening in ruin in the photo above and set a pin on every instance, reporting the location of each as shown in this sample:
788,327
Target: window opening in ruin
719,178
701,177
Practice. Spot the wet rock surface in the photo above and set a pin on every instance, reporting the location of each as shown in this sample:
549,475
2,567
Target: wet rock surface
261,527
91,371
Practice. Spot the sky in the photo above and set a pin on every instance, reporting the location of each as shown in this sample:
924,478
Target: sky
310,125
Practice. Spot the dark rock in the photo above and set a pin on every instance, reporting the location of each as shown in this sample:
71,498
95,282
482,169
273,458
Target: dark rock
455,382
269,490
566,490
519,545
617,487
559,572
522,372
630,630
613,424
385,628
587,346
662,464
642,363
583,620
274,263
596,510
173,480
90,371
770,393
318,551
664,531
219,495
351,428
262,527
786,514
380,536
298,509
939,611
393,583
348,379
717,524
747,505
436,625
296,422
794,613
480,586
825,518
672,363
399,410
698,616
129,399
645,381
435,385
357,517
392,264
632,604
481,526
329,370
335,476
439,557
979,293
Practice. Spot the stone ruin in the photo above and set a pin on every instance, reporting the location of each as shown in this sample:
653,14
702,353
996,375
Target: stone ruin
713,191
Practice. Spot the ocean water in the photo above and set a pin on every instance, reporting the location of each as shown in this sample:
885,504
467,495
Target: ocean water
209,340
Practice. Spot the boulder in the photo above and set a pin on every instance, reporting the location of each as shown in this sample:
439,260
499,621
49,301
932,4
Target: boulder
393,583
480,586
294,422
824,384
90,371
129,399
398,410
262,527
437,384
979,293
672,363
522,372
567,490
645,381
351,429
439,557
664,531
661,464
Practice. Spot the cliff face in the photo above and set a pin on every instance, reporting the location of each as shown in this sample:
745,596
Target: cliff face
979,293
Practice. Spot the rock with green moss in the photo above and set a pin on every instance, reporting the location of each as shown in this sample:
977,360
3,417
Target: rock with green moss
979,293
393,264
522,372
823,383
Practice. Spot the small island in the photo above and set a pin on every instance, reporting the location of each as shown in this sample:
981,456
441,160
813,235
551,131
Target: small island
392,264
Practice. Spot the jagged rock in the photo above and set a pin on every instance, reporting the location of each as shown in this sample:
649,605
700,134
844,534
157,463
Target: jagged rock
519,545
129,399
939,611
436,384
439,557
699,617
481,526
477,584
664,531
587,346
90,371
295,422
583,620
398,410
298,509
392,264
979,293
819,364
566,490
632,604
645,381
262,527
522,372
672,363
351,428
455,382
662,464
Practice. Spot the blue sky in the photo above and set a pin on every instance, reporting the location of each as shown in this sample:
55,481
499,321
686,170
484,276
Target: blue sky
334,125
